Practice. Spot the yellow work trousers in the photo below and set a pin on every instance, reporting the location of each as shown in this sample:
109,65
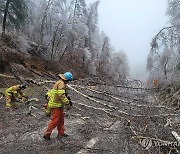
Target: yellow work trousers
10,102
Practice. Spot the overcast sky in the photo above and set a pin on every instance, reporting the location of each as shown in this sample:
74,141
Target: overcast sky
130,25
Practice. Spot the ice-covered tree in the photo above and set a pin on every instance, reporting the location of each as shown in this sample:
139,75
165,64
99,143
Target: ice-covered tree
14,13
164,56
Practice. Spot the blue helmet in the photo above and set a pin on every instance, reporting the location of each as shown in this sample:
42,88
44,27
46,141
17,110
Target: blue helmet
68,76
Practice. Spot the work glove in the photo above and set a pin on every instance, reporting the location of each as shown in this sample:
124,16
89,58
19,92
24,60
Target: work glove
24,98
70,102
46,97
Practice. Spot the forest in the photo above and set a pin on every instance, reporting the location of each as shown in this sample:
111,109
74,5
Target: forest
61,30
111,111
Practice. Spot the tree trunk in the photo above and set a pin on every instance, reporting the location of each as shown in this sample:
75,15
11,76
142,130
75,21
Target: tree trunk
43,22
5,16
63,53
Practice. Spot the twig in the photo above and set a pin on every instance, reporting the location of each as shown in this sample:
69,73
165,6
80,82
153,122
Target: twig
109,106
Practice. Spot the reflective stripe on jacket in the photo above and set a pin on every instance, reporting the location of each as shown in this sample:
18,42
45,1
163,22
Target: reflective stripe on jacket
57,98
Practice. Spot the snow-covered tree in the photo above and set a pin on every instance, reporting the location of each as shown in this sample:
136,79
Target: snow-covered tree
164,57
14,13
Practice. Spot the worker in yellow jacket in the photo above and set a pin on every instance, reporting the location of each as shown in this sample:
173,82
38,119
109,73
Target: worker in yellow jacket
13,93
56,104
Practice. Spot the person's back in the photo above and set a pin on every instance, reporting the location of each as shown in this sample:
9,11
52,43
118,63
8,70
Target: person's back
12,93
13,89
59,85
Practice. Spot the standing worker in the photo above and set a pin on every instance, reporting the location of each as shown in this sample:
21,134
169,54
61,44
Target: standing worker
155,83
56,104
14,94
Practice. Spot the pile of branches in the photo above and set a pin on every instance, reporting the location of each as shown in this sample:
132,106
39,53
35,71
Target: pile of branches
121,118
153,125
170,95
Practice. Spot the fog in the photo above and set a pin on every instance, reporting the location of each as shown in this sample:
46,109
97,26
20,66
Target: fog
131,25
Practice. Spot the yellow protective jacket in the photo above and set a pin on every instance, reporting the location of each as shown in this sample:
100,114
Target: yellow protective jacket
14,92
57,96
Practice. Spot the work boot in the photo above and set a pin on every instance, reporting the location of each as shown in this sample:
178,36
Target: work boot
65,135
46,137
62,136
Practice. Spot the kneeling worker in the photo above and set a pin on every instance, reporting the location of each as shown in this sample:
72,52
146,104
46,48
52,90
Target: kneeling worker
13,94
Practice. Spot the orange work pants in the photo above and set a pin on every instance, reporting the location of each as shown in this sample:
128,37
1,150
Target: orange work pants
57,120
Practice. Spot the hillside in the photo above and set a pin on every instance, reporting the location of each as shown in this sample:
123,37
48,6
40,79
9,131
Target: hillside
20,57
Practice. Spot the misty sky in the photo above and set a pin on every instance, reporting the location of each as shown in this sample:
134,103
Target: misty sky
130,25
